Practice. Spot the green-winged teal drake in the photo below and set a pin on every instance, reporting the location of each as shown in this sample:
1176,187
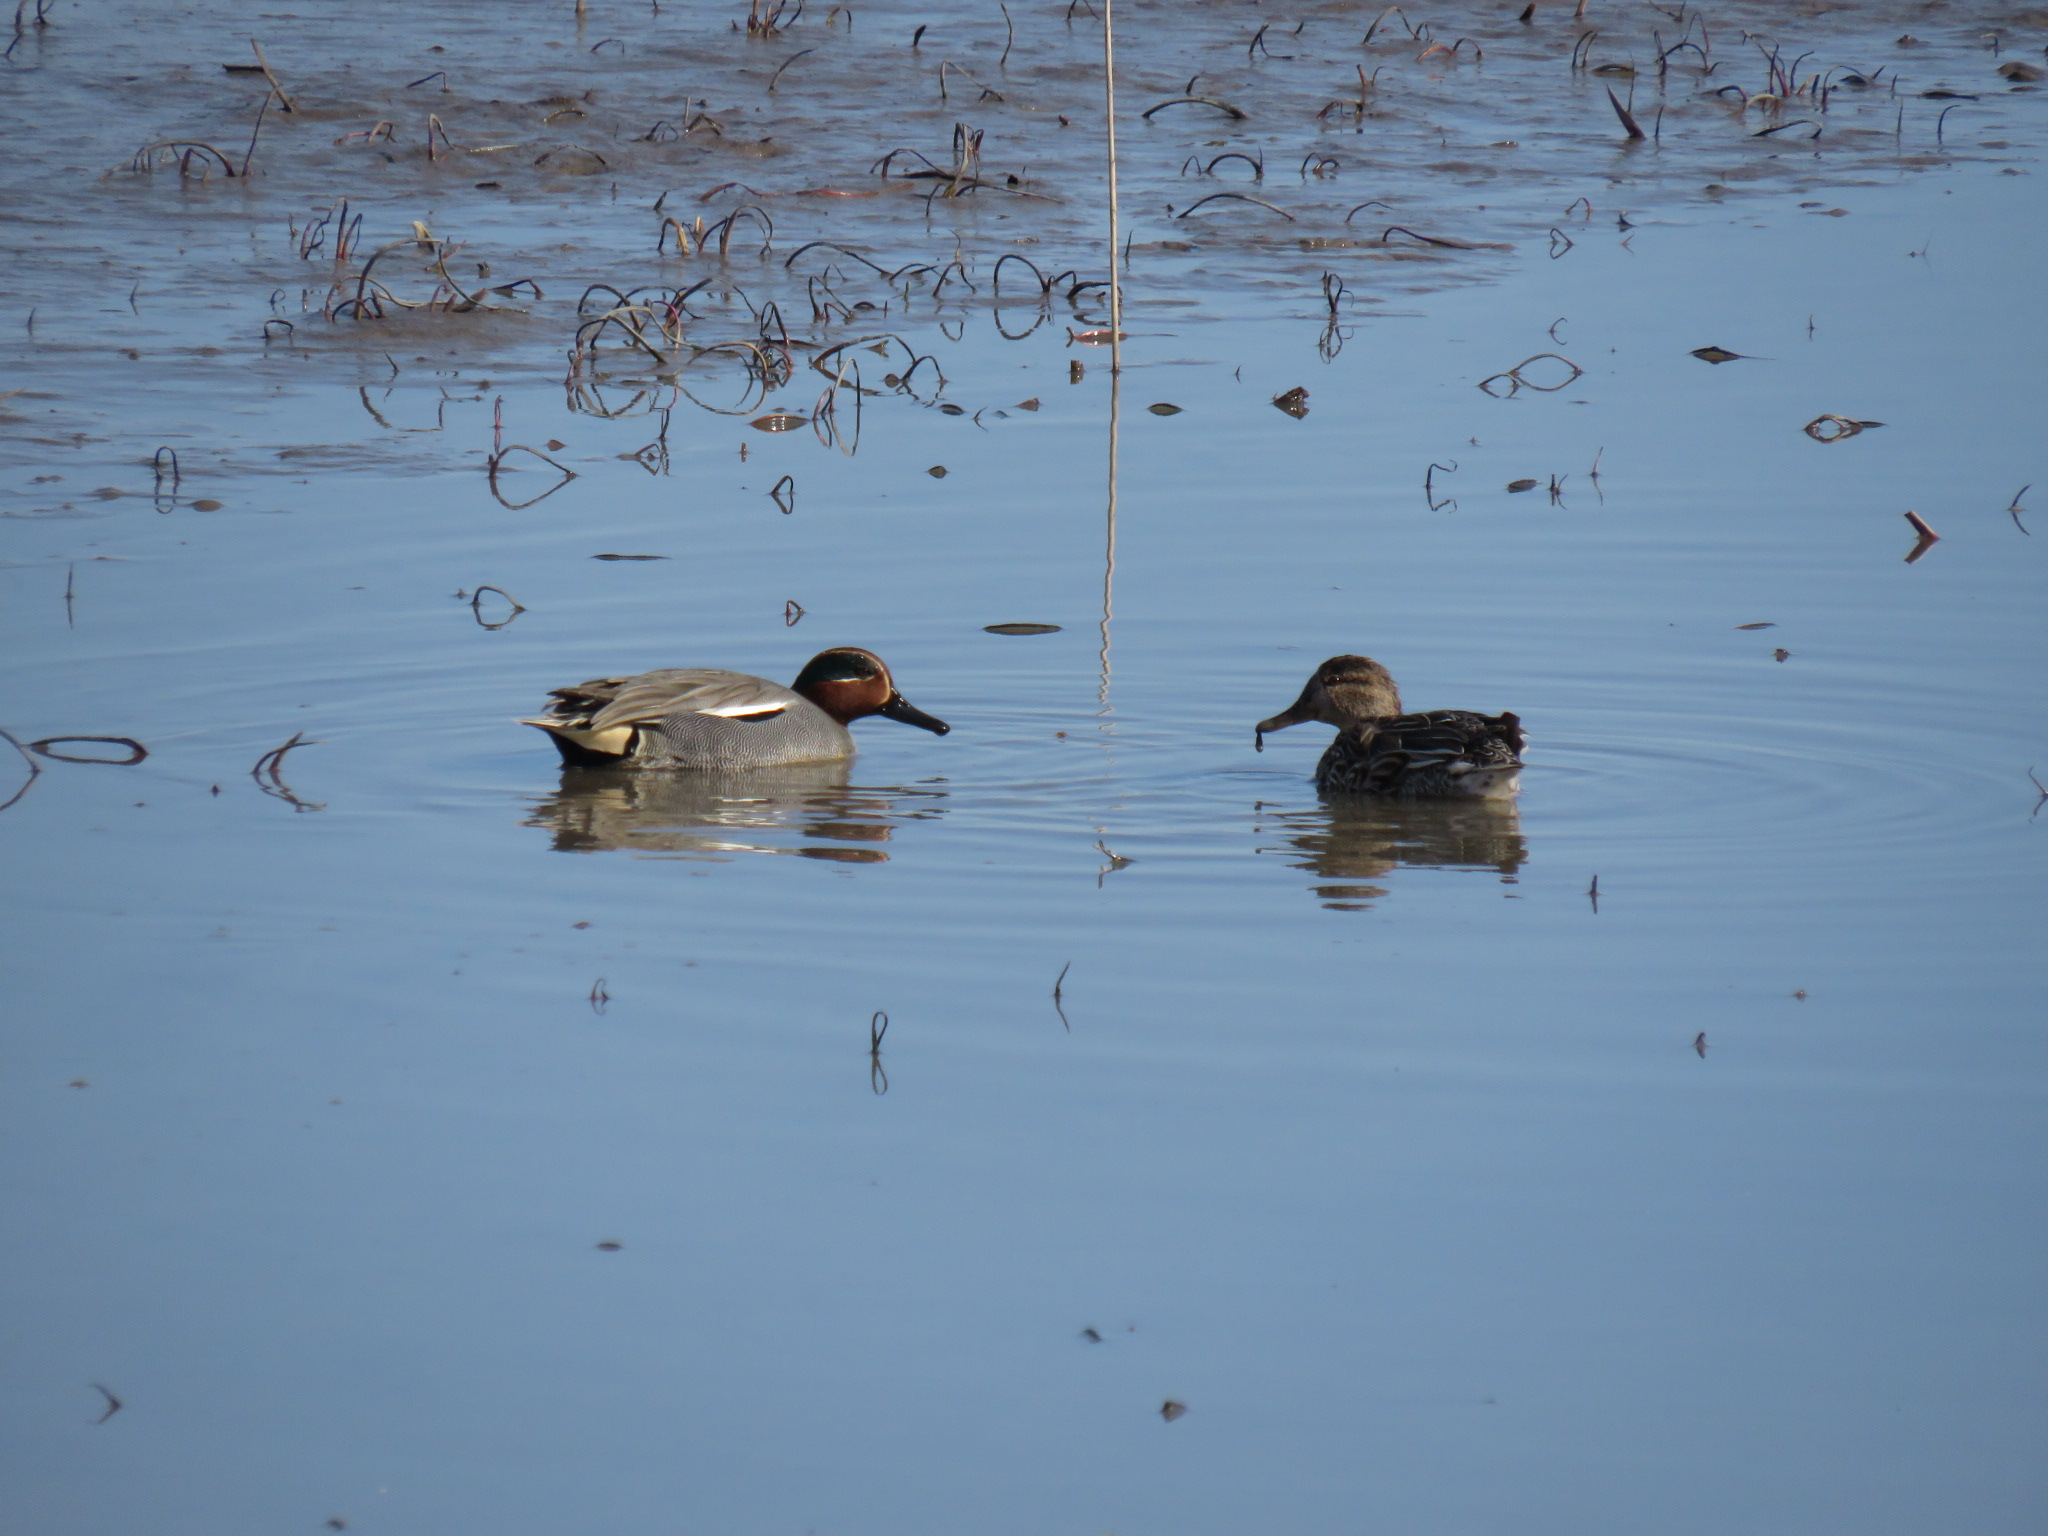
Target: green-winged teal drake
1381,751
702,717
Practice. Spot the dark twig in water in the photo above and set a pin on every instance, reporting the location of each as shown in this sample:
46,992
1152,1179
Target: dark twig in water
784,65
1516,382
783,494
1240,197
34,769
792,612
256,132
1387,234
2038,803
1832,429
833,246
996,275
476,599
1928,537
1061,978
1392,10
1258,164
1628,120
136,750
114,1404
2015,509
988,93
1195,101
284,102
1593,895
269,768
599,998
878,1026
495,466
1429,486
186,154
1451,50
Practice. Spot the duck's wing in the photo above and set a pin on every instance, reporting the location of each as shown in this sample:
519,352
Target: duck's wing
601,714
653,696
1454,741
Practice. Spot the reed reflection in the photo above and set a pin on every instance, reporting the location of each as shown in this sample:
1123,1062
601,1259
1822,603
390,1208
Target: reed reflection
809,810
1351,840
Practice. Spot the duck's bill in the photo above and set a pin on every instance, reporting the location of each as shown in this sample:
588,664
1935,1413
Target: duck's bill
900,708
1300,710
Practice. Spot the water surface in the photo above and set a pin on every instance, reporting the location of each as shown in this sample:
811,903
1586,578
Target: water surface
436,1140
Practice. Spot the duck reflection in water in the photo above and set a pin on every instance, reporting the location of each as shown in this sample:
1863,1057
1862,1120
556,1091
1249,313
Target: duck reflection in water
806,809
1358,838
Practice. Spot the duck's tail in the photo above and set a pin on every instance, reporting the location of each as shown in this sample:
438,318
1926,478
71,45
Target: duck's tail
581,748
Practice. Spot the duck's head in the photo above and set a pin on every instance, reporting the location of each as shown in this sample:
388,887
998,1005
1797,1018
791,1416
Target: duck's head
1343,691
850,684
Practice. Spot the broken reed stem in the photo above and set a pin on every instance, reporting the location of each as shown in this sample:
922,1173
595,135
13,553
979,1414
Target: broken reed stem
1628,121
35,769
784,65
254,133
283,100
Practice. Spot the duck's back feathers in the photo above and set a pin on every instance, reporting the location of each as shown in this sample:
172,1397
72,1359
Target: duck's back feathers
651,696
1438,752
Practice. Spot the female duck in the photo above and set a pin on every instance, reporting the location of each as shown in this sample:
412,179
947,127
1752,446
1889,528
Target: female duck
701,717
1381,751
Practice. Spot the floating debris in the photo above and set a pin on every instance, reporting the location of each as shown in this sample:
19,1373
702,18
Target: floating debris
1523,484
1294,402
629,557
1928,537
937,471
269,770
1764,624
1162,408
1832,429
1517,383
135,751
1170,1410
779,421
1717,355
1022,629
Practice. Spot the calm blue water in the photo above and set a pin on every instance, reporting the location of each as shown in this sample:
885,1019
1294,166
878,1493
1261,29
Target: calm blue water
1445,1198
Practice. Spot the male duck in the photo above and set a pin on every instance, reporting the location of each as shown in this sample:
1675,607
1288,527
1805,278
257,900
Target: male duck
701,717
1381,751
